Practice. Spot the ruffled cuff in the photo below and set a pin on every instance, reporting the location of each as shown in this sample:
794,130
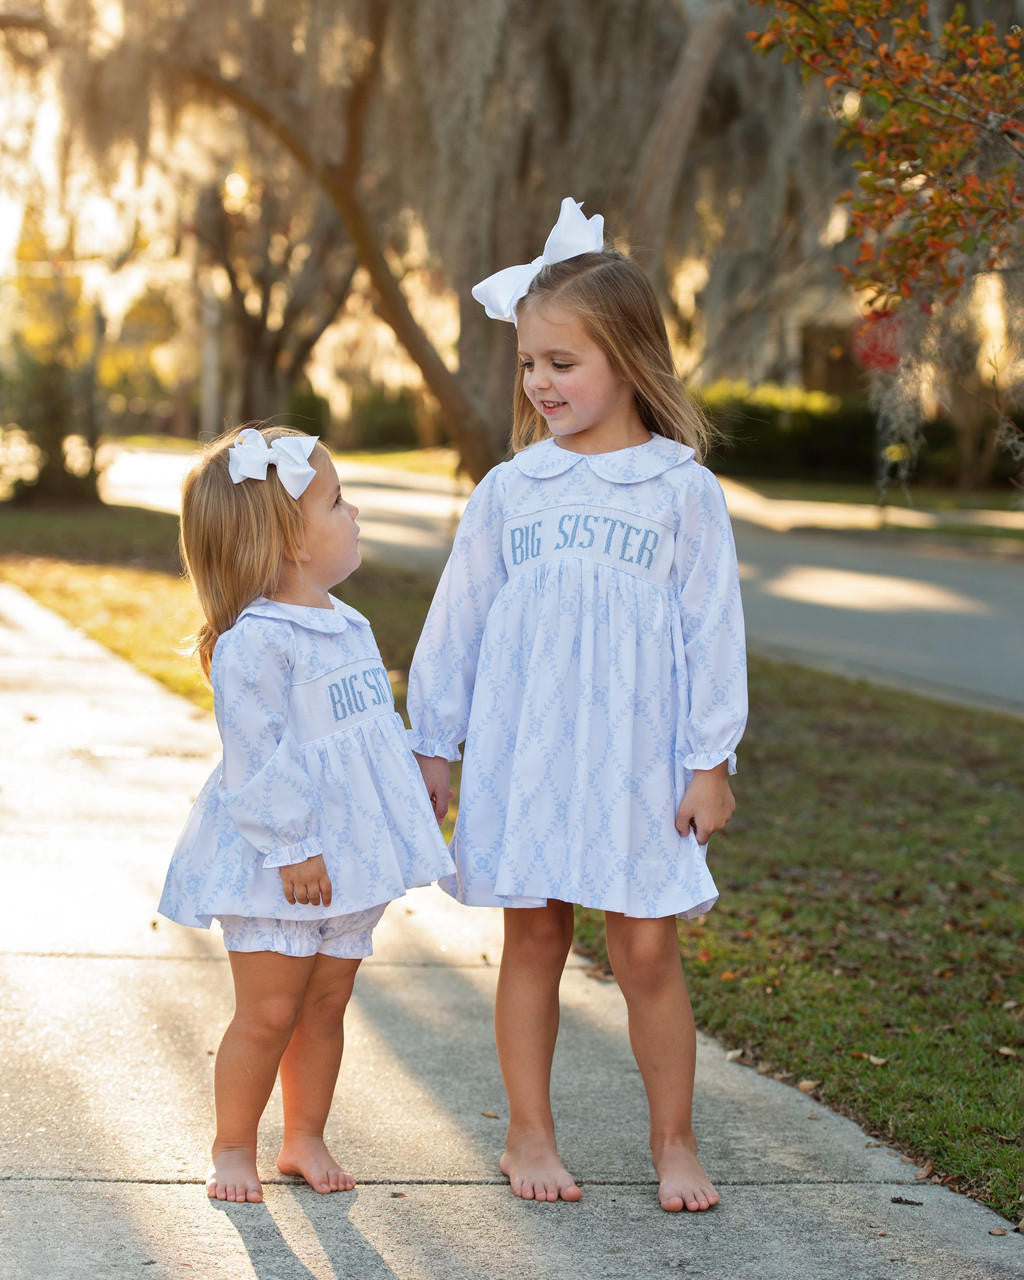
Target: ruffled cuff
431,746
708,760
290,854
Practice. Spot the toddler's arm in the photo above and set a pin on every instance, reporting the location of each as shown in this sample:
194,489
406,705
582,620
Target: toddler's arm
265,785
437,779
307,883
708,803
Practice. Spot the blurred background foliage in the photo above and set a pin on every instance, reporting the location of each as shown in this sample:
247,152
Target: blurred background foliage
221,211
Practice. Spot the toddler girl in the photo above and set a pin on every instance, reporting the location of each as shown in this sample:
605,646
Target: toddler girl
316,816
586,643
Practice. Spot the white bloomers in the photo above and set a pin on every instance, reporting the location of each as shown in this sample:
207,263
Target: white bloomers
348,937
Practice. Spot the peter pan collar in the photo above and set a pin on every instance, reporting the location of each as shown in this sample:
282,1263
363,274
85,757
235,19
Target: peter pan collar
326,621
623,466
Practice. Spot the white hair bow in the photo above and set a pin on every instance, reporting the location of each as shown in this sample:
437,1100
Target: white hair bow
251,454
574,233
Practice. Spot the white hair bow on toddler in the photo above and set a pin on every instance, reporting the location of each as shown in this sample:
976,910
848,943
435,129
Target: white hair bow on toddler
251,454
574,233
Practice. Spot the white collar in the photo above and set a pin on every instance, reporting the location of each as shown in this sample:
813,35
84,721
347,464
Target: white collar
621,466
328,621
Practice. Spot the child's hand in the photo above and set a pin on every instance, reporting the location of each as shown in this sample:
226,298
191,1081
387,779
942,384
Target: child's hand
437,778
708,803
307,883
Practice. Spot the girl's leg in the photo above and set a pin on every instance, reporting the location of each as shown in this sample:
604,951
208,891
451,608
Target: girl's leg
268,997
537,941
645,958
309,1072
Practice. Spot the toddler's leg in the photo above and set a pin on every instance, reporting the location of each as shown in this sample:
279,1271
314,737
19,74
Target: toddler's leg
309,1072
268,996
645,958
537,941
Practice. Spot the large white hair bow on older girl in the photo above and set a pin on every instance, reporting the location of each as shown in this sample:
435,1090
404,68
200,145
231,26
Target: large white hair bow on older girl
251,454
574,233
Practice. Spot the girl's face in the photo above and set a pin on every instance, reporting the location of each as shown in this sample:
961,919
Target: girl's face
570,382
330,532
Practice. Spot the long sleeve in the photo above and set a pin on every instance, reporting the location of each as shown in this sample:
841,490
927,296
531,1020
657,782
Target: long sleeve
712,622
265,787
444,665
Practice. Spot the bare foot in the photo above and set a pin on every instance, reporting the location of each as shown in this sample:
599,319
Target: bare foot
682,1182
308,1158
536,1173
233,1176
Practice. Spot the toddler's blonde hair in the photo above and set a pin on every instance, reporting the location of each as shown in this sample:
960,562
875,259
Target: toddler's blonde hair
233,537
619,310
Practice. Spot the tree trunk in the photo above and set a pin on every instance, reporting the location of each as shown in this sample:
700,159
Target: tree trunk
467,424
663,156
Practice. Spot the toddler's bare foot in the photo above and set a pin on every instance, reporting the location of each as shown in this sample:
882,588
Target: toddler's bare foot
308,1158
535,1172
682,1182
233,1176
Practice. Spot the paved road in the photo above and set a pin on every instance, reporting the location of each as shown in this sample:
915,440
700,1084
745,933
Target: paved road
946,622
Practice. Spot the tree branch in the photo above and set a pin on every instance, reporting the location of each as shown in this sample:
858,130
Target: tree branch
668,140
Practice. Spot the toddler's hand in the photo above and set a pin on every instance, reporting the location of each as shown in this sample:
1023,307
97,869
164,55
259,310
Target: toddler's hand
307,883
708,803
437,778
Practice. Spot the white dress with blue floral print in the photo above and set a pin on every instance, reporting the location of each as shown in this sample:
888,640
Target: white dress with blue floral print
316,761
586,643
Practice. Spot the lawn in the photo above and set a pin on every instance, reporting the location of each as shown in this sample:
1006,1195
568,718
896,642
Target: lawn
867,945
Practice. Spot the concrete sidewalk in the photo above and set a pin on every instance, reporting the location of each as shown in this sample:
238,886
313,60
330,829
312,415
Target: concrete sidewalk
111,1015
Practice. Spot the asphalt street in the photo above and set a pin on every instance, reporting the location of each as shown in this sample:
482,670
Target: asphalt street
819,586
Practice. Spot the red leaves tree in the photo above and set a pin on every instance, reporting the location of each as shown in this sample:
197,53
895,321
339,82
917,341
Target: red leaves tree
938,120
935,110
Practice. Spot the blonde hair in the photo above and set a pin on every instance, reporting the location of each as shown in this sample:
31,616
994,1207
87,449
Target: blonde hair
619,310
233,537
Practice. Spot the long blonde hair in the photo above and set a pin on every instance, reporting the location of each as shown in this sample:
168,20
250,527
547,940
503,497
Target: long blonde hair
233,537
619,310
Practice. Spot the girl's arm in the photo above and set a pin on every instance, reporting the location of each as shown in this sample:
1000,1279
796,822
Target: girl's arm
265,786
713,712
444,665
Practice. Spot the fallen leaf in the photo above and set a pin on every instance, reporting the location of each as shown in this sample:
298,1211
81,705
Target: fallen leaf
874,1144
808,1086
734,1055
398,1195
926,1172
903,1200
998,1231
1007,1052
491,1115
728,976
877,1062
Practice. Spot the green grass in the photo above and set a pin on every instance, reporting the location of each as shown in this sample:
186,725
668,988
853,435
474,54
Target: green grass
871,880
921,498
871,907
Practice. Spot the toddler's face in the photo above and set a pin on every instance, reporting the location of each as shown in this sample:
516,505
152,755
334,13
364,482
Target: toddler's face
571,383
331,532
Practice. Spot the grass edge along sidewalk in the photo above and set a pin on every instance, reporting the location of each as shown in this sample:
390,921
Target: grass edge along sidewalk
867,944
